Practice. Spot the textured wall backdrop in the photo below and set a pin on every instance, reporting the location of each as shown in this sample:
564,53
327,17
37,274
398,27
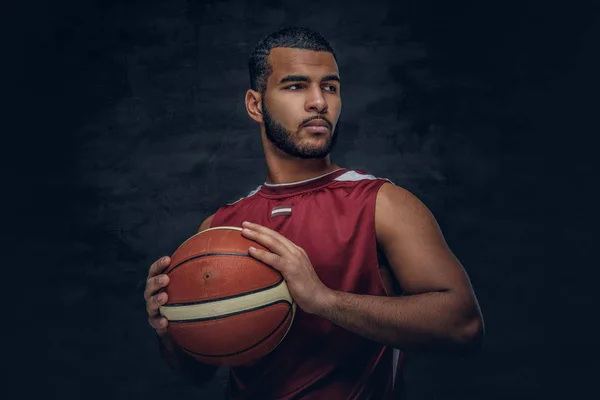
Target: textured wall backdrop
132,117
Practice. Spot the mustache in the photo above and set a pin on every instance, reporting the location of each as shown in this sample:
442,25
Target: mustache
306,121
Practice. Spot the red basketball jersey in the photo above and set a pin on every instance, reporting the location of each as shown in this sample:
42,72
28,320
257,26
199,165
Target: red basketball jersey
332,217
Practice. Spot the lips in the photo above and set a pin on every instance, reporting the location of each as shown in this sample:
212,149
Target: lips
317,123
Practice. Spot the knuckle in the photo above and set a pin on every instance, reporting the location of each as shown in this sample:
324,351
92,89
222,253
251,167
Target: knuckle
155,283
151,308
160,298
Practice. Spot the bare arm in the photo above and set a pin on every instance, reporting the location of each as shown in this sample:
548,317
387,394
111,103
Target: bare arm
180,362
438,311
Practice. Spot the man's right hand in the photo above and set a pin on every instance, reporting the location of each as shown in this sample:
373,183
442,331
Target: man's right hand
155,297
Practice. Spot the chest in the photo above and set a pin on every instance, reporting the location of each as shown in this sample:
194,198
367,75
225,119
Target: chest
336,232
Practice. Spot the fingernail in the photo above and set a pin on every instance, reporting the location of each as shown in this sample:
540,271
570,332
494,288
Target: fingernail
161,279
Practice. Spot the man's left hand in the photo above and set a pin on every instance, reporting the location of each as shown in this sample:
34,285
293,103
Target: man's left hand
292,262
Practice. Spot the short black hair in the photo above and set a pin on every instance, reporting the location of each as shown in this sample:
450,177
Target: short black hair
293,38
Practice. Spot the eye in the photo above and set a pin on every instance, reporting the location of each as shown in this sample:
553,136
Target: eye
331,88
295,86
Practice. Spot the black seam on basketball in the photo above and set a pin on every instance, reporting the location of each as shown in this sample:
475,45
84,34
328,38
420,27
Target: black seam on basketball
285,317
192,303
218,253
183,321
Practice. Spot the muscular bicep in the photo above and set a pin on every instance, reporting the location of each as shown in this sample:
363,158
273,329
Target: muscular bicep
414,246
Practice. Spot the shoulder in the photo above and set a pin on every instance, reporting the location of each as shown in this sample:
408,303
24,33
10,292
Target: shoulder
396,209
391,196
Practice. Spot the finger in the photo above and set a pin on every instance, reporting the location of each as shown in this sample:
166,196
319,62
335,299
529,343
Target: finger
272,240
158,266
268,241
263,229
153,304
154,284
292,247
158,322
272,259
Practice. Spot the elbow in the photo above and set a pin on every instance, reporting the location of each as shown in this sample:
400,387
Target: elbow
469,337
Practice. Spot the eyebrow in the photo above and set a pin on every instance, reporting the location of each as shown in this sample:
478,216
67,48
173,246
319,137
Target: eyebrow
303,78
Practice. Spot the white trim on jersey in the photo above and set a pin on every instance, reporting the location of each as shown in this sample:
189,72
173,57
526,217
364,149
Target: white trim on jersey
299,182
350,176
354,176
252,193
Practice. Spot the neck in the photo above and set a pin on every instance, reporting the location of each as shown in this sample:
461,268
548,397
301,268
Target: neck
282,168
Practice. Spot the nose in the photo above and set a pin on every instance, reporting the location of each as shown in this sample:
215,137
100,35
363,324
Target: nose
315,101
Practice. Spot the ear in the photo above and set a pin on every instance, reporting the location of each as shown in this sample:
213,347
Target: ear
254,105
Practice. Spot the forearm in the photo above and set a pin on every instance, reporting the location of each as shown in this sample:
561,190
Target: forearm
183,364
435,320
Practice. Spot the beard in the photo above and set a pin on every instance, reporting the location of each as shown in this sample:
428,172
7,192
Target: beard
287,141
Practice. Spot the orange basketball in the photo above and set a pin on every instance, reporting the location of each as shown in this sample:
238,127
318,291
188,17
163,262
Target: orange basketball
225,307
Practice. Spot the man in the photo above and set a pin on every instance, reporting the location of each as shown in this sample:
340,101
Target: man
347,243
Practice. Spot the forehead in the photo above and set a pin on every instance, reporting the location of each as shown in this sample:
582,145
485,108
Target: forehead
285,61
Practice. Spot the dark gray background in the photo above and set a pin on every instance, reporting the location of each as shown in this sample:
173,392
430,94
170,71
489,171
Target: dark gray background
125,127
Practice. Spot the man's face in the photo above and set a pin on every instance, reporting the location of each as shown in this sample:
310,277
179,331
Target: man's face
302,104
